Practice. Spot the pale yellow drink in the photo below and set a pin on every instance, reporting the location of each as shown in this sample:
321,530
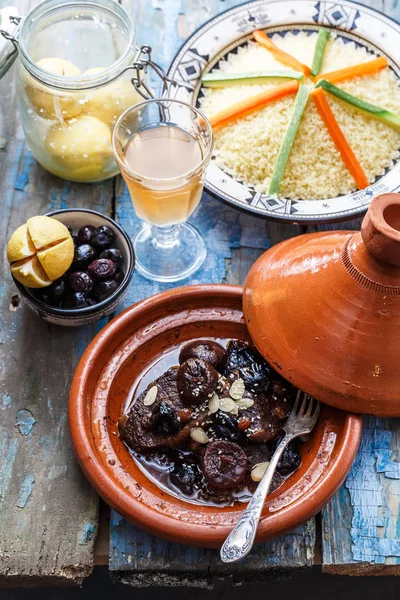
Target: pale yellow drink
162,156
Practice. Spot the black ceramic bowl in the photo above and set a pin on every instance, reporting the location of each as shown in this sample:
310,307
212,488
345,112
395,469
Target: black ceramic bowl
74,317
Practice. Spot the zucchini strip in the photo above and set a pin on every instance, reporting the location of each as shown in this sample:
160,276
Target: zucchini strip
371,110
288,139
222,80
319,50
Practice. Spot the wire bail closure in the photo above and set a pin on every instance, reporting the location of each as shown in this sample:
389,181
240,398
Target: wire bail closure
142,64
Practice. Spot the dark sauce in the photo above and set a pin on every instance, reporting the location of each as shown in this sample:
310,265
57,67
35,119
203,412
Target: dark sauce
179,470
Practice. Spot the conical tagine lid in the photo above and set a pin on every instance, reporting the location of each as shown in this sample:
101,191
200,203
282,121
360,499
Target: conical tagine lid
324,310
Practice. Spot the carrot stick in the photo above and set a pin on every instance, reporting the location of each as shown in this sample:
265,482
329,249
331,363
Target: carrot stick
284,58
244,107
367,68
338,138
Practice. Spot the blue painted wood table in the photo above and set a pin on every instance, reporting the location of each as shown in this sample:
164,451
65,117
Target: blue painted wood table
48,513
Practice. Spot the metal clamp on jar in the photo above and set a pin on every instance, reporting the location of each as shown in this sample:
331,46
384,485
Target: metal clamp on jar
79,69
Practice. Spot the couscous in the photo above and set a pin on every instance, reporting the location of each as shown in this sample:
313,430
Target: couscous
247,147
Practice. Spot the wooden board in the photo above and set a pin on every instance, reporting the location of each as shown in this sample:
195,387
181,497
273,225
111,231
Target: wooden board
234,240
48,512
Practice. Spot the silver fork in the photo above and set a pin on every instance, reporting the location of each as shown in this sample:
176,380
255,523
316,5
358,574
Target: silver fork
240,541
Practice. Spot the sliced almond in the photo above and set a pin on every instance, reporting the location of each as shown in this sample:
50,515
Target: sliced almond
237,389
245,403
199,435
257,472
151,396
213,404
227,405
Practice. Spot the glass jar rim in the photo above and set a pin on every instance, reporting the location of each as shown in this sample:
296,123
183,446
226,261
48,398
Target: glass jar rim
132,173
77,83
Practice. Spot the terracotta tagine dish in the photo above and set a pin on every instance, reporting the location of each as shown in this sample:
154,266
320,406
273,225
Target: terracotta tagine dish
122,370
324,310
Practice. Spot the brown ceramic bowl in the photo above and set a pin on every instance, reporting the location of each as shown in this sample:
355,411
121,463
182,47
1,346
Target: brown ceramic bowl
113,364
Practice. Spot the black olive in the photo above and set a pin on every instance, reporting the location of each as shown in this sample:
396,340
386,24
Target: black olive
103,289
113,254
102,268
224,464
75,240
103,237
226,427
45,297
80,281
119,276
205,350
165,419
75,300
248,364
85,234
57,289
196,381
84,255
185,477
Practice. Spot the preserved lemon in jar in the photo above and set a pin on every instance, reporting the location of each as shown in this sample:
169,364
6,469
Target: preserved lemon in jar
74,81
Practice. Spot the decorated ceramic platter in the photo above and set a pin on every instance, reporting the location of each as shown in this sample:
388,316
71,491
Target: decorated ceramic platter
324,176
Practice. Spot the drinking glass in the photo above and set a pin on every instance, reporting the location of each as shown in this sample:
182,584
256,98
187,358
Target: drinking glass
167,248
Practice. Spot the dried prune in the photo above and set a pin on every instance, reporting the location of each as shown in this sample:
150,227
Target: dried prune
102,268
224,464
103,289
113,254
205,350
75,300
83,255
249,365
165,419
103,237
290,459
226,426
85,234
80,281
196,380
185,476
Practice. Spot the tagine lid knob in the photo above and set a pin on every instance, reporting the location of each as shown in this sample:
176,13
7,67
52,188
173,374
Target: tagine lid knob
380,228
324,310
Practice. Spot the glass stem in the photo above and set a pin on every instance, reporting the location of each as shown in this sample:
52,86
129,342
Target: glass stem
165,237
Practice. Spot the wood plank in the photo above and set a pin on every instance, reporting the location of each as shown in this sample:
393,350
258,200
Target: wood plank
234,240
361,524
48,512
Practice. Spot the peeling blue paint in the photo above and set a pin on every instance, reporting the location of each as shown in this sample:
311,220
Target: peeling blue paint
371,533
87,532
25,421
22,178
5,401
25,491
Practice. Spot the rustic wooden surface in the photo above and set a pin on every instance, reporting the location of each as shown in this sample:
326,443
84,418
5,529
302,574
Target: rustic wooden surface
48,513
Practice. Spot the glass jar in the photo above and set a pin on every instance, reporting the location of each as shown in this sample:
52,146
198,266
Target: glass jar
78,70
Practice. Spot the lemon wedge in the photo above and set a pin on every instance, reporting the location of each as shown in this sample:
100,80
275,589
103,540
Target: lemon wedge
56,260
30,273
45,231
40,251
20,245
